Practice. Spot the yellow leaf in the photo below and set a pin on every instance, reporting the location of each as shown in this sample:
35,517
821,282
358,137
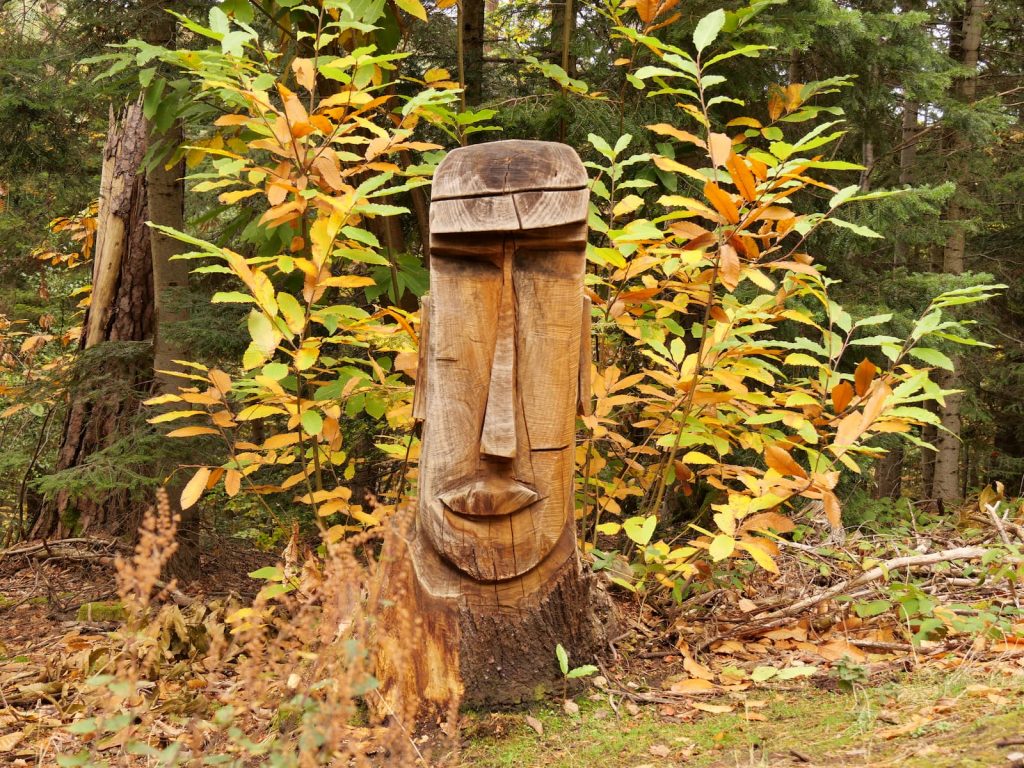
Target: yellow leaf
628,204
760,555
436,74
174,416
258,412
721,547
195,487
348,281
229,198
192,432
413,8
670,130
670,165
696,457
726,522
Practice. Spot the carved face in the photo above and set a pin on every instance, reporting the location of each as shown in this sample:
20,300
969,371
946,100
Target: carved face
502,365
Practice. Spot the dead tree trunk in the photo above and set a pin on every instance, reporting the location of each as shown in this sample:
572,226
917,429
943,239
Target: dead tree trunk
492,574
116,363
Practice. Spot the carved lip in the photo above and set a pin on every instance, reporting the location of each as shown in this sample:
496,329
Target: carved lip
489,497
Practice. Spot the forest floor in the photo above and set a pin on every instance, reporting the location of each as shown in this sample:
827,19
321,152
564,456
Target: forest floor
727,678
930,718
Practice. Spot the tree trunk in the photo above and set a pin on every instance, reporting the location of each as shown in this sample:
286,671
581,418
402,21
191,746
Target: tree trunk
166,195
472,34
889,474
908,163
947,460
105,402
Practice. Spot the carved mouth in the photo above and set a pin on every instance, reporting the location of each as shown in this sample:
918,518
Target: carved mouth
489,497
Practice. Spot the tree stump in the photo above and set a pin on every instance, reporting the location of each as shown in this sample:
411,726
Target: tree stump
492,577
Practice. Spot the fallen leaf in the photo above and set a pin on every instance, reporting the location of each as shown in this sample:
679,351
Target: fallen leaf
693,685
570,707
659,750
717,709
535,724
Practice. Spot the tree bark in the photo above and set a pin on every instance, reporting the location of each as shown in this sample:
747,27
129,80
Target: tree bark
889,474
166,196
947,461
472,32
105,402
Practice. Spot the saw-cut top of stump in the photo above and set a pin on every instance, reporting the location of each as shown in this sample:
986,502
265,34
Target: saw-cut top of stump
508,186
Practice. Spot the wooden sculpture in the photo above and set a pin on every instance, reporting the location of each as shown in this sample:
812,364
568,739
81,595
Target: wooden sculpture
493,572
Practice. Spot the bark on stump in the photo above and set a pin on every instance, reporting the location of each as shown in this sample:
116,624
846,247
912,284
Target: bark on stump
491,581
120,312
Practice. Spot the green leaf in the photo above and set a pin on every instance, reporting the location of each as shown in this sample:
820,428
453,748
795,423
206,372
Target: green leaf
857,229
871,608
312,422
640,529
760,674
932,357
268,573
707,29
563,659
583,671
799,671
721,547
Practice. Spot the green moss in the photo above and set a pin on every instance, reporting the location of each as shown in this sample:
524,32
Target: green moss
110,611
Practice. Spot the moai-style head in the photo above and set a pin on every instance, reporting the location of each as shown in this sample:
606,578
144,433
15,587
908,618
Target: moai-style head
504,366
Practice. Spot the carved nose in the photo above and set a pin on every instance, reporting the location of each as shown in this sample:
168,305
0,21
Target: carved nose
498,436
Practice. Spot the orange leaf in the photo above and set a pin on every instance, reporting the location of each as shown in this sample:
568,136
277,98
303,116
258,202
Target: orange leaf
722,201
776,103
693,685
232,482
842,394
305,74
742,177
729,267
765,520
778,458
863,376
720,147
833,510
849,430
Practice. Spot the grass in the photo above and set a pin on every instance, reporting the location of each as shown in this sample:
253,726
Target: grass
930,719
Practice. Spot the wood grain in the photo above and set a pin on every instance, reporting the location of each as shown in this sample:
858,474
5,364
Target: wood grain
504,167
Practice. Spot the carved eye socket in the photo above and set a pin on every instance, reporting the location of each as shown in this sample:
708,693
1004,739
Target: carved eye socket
549,300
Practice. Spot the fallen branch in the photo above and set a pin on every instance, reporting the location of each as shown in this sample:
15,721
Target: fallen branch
781,616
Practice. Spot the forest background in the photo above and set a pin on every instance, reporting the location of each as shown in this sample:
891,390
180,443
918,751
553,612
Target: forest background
738,389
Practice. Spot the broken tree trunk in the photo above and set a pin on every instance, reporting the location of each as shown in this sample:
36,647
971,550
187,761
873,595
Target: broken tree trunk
492,576
116,367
